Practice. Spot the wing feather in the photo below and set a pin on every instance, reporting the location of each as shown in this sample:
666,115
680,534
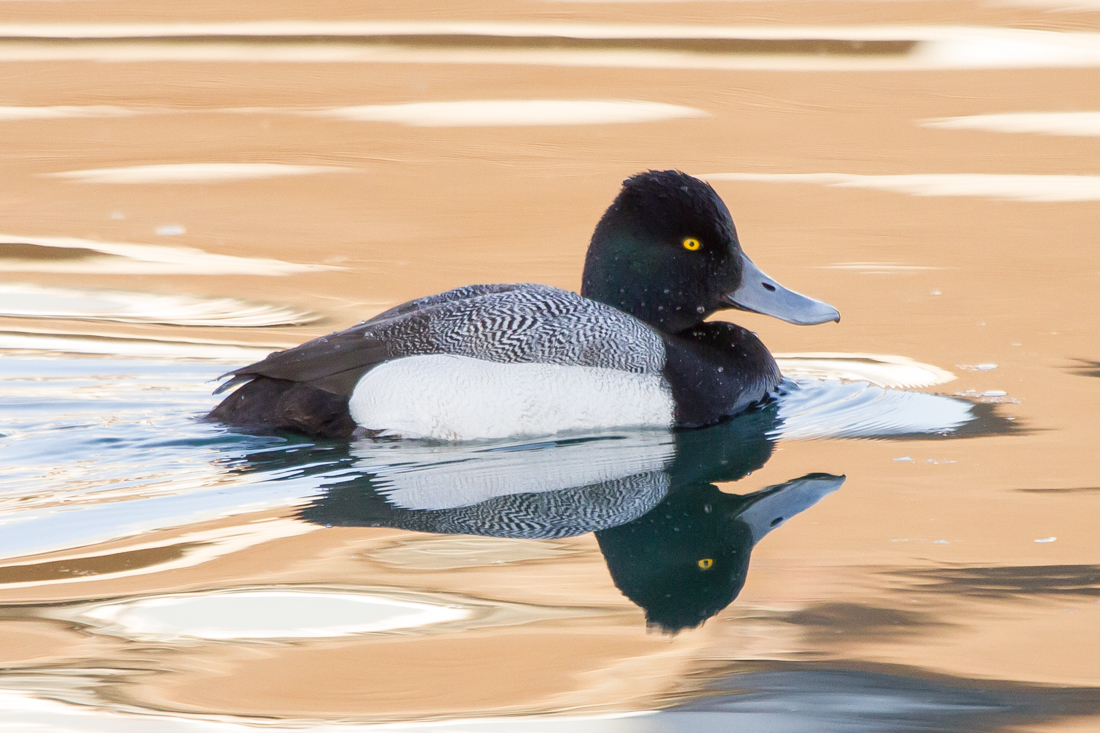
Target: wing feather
500,323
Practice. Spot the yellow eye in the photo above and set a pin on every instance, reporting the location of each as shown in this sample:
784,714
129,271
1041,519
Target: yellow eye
705,563
691,244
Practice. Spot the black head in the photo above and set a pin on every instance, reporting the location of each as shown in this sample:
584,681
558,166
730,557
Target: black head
666,251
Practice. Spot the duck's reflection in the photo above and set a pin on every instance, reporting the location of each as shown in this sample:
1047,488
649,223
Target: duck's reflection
674,543
687,559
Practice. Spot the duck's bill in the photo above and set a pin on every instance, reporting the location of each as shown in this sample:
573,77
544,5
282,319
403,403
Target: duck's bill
761,294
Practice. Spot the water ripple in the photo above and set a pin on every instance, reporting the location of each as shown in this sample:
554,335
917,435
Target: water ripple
35,301
100,449
1011,187
87,256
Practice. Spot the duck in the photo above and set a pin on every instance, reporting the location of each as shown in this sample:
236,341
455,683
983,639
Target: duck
632,350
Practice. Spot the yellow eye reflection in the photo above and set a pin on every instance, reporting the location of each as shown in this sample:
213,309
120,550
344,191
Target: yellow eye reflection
691,244
705,563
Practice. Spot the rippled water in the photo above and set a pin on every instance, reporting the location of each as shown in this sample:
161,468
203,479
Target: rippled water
904,539
114,415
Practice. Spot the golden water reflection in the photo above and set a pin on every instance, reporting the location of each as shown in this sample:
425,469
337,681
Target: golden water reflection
866,157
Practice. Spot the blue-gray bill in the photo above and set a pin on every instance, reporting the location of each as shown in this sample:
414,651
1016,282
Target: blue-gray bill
761,294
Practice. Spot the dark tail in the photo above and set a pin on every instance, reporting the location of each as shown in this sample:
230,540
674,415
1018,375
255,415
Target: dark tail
265,404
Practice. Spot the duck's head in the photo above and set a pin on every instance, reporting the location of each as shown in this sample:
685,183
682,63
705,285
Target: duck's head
666,251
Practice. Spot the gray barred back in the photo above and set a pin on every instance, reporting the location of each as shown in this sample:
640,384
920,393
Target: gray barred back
530,324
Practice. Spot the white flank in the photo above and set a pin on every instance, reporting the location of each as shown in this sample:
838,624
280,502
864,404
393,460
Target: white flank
515,113
445,397
191,173
1019,187
1083,124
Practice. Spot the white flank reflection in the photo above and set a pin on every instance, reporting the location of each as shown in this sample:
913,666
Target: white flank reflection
58,113
427,476
1021,187
1083,124
515,113
191,173
88,256
267,614
33,301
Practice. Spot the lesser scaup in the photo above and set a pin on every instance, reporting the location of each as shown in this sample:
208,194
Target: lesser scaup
495,361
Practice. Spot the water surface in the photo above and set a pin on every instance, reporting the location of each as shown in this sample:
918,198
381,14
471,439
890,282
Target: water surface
903,540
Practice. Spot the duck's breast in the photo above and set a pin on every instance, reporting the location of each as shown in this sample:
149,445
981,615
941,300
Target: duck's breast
716,370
